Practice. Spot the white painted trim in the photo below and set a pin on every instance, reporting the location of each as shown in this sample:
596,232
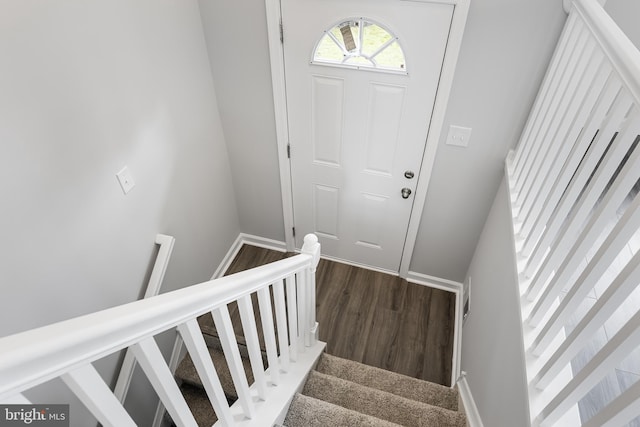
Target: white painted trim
470,408
228,258
457,288
276,52
456,357
276,56
153,288
458,23
249,239
263,242
355,264
434,282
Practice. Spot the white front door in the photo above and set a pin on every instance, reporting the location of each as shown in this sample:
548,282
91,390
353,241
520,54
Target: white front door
358,134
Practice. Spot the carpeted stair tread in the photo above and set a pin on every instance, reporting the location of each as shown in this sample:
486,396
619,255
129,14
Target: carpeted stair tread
378,403
187,372
199,404
307,411
398,384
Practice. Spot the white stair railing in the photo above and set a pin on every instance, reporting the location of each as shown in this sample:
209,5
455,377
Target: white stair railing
67,349
574,182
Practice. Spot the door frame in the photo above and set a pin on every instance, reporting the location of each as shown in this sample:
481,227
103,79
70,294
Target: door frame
276,55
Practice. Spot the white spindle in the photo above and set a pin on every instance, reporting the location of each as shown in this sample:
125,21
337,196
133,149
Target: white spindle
153,288
604,307
526,141
281,322
90,388
604,214
311,247
266,315
292,311
301,286
576,65
194,341
601,261
561,139
583,131
249,327
575,222
614,352
621,51
126,373
619,412
154,366
227,336
553,99
587,164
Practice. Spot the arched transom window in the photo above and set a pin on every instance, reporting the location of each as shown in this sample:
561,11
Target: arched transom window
360,43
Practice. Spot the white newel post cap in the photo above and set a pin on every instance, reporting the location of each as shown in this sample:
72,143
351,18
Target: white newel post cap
312,247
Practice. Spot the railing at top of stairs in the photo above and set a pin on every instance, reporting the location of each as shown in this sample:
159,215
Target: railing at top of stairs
67,349
573,185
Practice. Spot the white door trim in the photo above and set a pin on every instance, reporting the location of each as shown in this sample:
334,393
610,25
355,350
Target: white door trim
276,54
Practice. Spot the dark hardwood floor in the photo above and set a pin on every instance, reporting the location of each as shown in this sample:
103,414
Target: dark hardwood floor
375,318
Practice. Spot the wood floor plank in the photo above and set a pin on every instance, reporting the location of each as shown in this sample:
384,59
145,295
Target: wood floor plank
374,318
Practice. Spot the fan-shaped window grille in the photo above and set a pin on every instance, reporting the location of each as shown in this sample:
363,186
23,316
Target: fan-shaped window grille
360,43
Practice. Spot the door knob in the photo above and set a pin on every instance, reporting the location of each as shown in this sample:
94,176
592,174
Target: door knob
406,192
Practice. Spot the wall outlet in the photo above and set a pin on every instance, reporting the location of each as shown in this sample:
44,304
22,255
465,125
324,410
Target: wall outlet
459,136
126,180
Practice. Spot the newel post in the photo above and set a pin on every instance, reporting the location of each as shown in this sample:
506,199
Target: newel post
311,247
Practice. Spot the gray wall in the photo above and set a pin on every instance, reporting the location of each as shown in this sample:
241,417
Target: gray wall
492,352
506,48
236,34
85,88
505,51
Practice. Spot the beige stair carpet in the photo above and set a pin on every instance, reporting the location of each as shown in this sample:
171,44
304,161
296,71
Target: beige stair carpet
398,384
378,403
306,411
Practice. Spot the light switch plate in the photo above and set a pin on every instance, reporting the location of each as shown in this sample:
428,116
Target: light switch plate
125,179
459,136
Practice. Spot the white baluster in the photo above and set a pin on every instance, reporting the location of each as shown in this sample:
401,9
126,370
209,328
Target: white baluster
311,247
266,315
614,352
227,336
88,385
292,310
619,412
193,339
281,320
154,366
248,319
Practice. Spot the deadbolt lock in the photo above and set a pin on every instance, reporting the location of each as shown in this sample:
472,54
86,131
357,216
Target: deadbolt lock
409,174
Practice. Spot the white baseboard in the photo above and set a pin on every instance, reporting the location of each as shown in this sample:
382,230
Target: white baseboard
263,242
434,282
470,408
249,239
355,264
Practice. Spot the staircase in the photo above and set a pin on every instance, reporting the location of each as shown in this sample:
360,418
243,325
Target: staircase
338,392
